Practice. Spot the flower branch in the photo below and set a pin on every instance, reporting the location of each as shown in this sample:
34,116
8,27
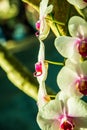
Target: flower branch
55,63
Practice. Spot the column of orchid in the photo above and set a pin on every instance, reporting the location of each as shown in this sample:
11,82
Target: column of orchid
67,111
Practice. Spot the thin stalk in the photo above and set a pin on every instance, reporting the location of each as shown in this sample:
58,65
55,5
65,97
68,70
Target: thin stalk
79,11
55,63
55,24
54,21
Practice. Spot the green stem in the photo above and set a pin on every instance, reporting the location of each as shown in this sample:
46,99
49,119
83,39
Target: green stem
79,11
67,18
55,63
52,96
54,21
52,16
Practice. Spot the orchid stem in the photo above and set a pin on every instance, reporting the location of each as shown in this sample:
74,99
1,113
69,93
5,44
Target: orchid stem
52,96
57,22
52,16
55,63
79,11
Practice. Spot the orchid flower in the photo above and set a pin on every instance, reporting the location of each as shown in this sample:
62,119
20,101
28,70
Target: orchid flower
42,25
74,47
41,68
72,78
58,115
79,3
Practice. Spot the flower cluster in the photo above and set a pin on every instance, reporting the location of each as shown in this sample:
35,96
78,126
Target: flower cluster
67,111
41,67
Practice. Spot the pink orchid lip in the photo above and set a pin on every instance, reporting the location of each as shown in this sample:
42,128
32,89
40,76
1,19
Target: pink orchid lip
38,25
81,85
66,123
85,1
37,34
38,28
38,69
66,126
82,47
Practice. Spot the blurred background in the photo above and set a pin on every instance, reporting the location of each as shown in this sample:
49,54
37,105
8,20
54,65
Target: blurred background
18,111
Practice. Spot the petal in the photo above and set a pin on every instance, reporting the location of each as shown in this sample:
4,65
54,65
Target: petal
43,7
41,94
44,30
46,124
77,107
65,45
76,57
79,3
76,67
80,67
51,110
84,68
66,77
77,27
66,81
81,122
63,96
41,58
48,10
41,54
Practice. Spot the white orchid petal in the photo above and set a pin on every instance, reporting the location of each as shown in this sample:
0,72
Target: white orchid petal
66,81
44,11
41,58
80,67
48,10
46,124
77,107
84,68
44,30
41,94
65,45
79,3
81,122
63,96
43,7
76,67
51,110
76,57
45,33
78,110
41,54
66,78
77,27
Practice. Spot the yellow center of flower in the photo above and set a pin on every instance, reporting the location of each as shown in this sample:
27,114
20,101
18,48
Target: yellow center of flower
47,98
